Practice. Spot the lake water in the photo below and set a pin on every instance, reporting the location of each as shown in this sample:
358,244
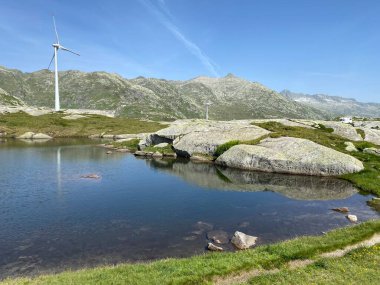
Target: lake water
51,219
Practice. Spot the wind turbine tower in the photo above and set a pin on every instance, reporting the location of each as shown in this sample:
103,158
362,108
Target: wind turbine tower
207,104
57,46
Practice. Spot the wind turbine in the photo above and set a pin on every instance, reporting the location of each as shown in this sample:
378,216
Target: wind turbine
207,104
56,47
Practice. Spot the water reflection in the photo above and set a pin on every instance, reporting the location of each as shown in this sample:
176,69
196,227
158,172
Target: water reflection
292,186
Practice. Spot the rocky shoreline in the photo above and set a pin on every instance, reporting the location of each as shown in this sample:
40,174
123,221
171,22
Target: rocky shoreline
199,140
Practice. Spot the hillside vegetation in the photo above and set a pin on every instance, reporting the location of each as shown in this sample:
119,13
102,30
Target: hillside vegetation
158,99
56,126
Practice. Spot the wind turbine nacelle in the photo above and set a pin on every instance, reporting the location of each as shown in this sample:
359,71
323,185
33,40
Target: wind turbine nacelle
56,46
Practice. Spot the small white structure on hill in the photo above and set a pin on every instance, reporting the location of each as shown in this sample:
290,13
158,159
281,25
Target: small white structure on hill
346,120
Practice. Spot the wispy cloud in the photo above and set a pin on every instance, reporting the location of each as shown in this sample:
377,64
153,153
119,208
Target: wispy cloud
162,13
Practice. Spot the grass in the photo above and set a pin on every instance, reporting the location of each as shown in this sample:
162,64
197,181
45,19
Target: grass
361,133
164,150
367,180
132,144
360,266
202,269
226,146
15,124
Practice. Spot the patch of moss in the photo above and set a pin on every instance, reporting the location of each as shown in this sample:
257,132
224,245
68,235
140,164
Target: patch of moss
361,133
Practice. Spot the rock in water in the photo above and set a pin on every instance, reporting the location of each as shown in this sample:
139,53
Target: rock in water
109,152
243,241
91,176
213,247
341,210
218,236
41,136
27,135
352,218
290,155
157,154
203,226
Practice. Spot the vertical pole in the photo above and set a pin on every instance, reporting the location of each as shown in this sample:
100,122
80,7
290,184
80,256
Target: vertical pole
206,111
57,107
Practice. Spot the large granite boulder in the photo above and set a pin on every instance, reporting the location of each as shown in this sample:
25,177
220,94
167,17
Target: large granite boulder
372,135
34,136
290,155
206,142
341,129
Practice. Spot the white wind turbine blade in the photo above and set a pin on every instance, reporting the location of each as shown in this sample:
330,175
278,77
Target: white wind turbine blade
66,49
51,61
55,29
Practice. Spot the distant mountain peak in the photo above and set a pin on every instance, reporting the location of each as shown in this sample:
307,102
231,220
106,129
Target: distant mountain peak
230,75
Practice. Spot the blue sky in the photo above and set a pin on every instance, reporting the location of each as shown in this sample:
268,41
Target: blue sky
311,46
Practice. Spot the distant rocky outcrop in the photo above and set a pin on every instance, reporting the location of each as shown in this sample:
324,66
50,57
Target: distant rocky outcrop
335,105
290,155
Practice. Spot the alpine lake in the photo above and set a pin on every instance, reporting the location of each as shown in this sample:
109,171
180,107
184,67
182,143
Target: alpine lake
52,219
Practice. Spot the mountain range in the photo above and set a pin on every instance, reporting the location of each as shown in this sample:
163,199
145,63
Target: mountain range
231,97
335,105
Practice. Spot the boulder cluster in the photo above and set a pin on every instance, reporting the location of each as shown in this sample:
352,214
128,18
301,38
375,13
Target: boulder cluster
254,149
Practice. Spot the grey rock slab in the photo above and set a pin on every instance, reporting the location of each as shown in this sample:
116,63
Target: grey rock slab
243,241
290,155
372,150
350,147
207,142
344,130
372,135
213,247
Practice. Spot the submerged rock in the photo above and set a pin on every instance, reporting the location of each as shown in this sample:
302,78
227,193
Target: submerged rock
341,210
218,236
290,155
203,226
213,247
91,176
242,240
157,154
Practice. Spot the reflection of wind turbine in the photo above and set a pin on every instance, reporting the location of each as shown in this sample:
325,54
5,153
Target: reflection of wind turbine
56,47
207,104
59,169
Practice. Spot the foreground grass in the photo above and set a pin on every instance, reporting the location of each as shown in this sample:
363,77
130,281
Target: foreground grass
54,125
367,180
360,266
202,269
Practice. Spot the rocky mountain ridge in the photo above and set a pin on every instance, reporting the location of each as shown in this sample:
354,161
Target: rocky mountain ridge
335,105
150,98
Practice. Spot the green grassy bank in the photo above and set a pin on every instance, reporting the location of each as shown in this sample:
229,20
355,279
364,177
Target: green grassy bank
204,268
53,124
360,266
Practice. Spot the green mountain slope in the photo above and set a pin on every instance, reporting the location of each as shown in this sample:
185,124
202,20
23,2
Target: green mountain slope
231,97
